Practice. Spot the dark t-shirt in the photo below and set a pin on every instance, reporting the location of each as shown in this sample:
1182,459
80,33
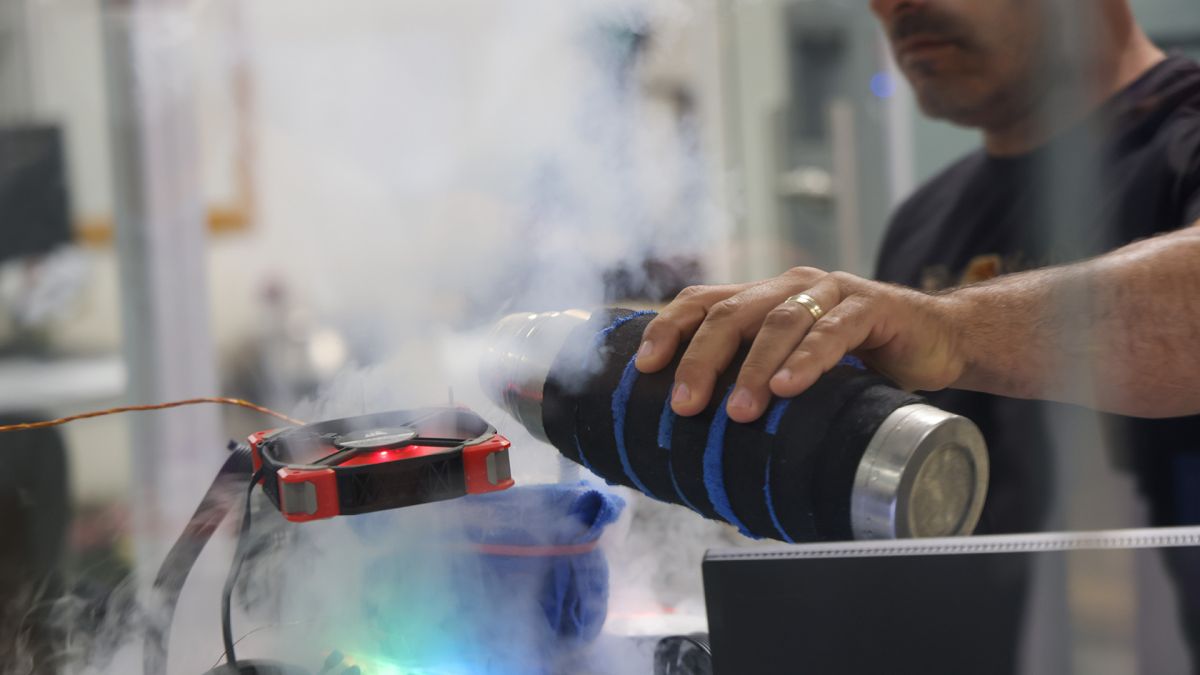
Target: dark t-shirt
1132,170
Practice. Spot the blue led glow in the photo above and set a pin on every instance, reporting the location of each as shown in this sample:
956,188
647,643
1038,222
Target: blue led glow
883,85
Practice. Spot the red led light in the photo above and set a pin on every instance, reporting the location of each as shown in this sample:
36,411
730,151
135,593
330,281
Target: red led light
395,454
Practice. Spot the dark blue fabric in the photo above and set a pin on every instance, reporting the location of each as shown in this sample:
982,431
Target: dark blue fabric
678,491
714,467
582,457
597,341
572,589
774,417
783,535
666,424
603,335
694,473
775,414
620,401
433,594
1185,478
853,362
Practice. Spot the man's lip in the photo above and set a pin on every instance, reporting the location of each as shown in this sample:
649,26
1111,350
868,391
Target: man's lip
918,44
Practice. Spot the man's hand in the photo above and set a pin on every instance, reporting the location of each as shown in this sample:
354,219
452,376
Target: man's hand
905,335
1116,333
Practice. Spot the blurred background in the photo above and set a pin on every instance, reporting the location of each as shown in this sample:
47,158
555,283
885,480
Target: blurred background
318,206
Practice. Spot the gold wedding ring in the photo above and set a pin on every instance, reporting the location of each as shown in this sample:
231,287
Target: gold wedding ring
811,305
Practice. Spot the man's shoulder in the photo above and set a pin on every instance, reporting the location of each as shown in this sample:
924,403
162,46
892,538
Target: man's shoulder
1170,105
1182,127
1164,105
1175,80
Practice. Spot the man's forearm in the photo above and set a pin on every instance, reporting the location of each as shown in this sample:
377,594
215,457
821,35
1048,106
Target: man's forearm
1120,332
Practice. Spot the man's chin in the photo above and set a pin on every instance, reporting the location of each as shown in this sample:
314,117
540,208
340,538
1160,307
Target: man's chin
941,105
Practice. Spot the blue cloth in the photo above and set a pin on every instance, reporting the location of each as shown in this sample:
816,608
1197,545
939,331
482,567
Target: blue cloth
573,585
505,583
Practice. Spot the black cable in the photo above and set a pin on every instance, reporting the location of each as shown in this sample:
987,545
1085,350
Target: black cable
235,567
332,661
178,563
252,631
683,655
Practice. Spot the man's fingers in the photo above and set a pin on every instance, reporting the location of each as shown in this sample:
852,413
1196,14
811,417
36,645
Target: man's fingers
790,350
677,322
838,333
783,328
717,340
706,357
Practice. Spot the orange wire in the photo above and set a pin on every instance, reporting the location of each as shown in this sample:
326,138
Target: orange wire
157,406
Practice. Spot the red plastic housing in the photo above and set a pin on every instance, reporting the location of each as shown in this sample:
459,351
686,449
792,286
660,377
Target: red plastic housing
255,439
321,500
311,493
475,465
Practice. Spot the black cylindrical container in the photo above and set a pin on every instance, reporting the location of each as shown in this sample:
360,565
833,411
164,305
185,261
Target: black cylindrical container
852,457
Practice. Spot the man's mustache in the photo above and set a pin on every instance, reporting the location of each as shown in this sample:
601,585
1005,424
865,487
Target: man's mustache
926,23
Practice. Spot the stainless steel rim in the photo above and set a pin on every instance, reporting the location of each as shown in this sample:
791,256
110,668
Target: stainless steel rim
518,359
924,474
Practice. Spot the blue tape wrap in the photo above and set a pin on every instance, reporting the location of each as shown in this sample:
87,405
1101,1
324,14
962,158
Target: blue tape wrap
620,402
597,342
603,335
582,457
853,362
666,426
714,476
774,417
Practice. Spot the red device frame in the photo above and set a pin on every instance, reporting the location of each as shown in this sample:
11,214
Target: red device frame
451,452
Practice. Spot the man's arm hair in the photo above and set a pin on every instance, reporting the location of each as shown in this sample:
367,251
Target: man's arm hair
1119,332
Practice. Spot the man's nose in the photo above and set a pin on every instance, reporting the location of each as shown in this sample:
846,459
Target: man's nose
890,9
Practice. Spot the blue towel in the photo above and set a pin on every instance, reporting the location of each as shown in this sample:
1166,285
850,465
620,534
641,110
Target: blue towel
511,578
549,531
